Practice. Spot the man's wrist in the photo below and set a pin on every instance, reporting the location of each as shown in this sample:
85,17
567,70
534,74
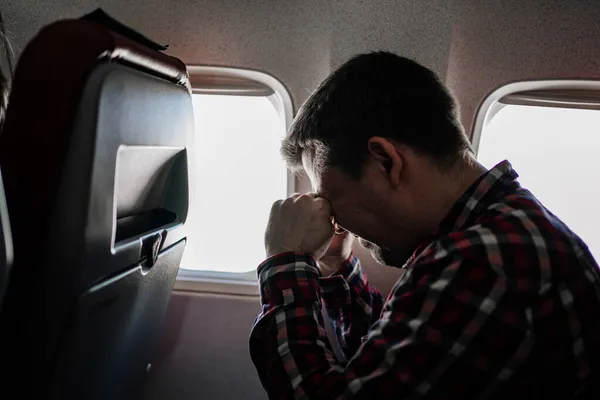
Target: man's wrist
333,265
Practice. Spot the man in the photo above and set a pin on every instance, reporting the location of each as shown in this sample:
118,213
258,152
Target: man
499,298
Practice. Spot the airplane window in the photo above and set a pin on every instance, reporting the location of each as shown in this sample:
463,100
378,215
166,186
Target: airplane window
238,174
555,152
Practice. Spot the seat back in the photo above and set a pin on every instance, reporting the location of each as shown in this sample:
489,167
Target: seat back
94,156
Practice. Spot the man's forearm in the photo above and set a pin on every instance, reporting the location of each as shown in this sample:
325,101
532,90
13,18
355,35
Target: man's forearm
352,304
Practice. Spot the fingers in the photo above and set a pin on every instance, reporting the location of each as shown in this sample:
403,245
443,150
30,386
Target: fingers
319,205
297,200
299,223
276,205
323,205
297,196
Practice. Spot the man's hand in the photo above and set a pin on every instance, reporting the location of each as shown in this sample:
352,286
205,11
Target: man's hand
300,223
337,253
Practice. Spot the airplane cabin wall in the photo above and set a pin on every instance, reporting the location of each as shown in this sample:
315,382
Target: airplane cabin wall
498,42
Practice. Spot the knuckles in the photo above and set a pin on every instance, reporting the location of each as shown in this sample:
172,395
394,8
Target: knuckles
303,203
322,205
276,205
303,199
310,224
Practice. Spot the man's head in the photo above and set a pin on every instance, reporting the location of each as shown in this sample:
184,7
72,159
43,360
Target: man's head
376,138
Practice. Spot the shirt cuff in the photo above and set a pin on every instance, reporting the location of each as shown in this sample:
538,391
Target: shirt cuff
287,278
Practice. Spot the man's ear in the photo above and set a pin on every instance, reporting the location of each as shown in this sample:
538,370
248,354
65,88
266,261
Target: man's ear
385,154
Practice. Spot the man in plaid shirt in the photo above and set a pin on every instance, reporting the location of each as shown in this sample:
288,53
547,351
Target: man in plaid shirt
499,298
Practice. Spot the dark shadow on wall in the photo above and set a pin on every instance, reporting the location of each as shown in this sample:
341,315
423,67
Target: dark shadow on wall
203,352
169,337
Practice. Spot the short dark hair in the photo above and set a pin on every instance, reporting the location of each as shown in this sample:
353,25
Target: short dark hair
376,94
4,82
4,90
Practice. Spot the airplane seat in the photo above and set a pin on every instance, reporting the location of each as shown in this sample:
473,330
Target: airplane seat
95,166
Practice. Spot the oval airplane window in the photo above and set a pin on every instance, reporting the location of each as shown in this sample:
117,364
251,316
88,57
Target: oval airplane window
552,140
240,121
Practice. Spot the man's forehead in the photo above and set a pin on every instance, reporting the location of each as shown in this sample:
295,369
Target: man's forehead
325,181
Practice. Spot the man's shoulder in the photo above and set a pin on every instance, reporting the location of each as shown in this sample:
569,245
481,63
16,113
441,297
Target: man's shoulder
519,220
514,238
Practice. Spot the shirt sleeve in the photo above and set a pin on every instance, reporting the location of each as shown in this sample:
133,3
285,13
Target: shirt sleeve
452,329
351,303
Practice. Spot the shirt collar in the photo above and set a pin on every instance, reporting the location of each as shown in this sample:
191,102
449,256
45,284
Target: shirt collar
487,189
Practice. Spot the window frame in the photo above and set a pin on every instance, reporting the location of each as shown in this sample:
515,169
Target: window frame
218,80
561,93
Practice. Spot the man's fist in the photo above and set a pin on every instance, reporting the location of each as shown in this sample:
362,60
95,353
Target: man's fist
300,223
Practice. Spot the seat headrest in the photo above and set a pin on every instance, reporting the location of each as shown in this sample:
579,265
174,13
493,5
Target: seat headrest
106,20
101,43
49,80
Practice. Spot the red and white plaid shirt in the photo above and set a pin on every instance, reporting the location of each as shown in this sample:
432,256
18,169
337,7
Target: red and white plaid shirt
504,302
